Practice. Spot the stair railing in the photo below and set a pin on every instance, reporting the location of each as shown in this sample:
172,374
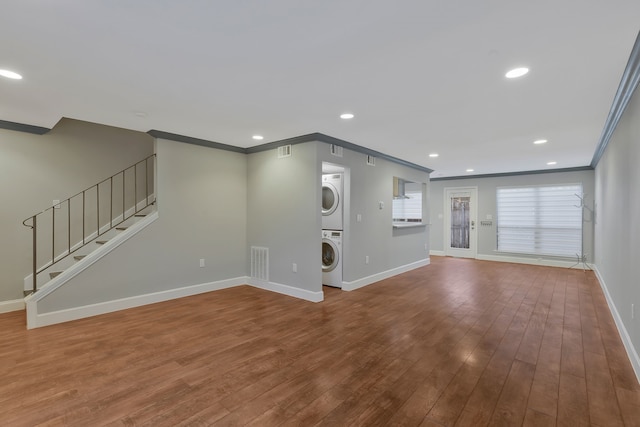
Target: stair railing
89,214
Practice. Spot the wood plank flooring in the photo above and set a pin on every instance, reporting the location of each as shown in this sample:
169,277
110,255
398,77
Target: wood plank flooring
459,342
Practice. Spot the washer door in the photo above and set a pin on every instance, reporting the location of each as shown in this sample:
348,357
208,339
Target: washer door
329,255
330,198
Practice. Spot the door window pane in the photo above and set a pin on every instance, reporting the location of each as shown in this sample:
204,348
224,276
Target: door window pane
460,222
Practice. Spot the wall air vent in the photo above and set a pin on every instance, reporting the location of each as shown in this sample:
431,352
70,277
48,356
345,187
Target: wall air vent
260,263
371,160
284,151
336,150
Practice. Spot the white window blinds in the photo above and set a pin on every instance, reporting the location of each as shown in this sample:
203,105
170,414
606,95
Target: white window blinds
408,208
541,220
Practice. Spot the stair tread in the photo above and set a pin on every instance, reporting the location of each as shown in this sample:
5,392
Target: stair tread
101,242
54,274
79,257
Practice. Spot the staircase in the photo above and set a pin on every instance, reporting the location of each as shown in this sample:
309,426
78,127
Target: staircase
73,234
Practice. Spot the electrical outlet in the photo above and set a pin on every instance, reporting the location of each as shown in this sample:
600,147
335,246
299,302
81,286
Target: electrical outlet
201,262
359,218
366,259
426,248
294,267
633,314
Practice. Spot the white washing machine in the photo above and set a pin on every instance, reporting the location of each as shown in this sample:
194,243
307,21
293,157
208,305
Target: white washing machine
332,201
332,258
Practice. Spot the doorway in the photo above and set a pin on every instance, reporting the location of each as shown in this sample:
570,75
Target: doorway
460,226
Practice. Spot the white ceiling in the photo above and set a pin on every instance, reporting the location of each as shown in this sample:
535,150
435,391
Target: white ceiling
421,76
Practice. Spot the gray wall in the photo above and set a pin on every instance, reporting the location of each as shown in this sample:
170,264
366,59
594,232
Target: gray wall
386,247
617,230
202,206
216,204
36,169
487,206
284,214
284,205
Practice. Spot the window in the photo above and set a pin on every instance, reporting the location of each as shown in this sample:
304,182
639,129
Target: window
407,201
541,220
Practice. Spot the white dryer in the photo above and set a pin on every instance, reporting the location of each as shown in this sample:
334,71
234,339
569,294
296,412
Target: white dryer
332,201
332,258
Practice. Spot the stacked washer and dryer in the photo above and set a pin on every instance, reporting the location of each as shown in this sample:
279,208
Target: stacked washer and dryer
332,228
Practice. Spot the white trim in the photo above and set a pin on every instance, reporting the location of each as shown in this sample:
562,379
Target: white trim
436,253
92,258
36,320
622,330
548,262
359,283
287,290
11,305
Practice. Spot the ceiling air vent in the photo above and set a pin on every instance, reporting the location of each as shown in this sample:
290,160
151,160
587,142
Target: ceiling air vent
284,151
371,160
336,150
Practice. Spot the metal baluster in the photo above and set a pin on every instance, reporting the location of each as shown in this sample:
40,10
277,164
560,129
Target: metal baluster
124,172
111,204
146,181
35,254
53,234
69,226
83,216
98,208
135,188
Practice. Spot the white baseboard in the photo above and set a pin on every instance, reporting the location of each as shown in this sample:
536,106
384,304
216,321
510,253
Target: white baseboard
624,335
287,290
356,284
11,305
548,262
36,320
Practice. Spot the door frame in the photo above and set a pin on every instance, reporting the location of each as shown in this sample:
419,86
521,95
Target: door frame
472,252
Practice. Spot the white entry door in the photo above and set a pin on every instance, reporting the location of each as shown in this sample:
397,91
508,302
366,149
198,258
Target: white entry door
460,223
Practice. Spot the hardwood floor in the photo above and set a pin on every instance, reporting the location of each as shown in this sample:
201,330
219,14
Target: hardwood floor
459,342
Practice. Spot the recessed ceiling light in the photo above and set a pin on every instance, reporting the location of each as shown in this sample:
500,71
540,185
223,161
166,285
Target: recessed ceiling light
433,155
469,170
516,72
540,141
10,74
552,163
346,116
258,137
